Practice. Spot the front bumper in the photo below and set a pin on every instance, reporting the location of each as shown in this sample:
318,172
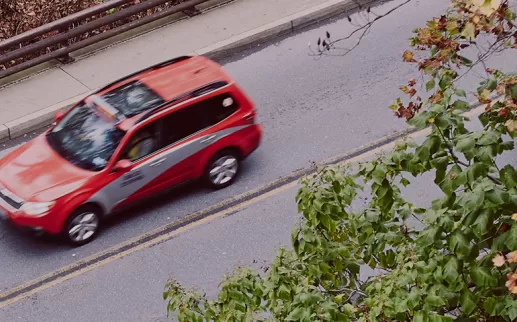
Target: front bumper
23,221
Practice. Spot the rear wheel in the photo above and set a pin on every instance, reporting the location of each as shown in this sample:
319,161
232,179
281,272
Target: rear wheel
222,169
82,226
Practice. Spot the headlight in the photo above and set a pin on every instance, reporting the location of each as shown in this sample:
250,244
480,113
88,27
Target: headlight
36,208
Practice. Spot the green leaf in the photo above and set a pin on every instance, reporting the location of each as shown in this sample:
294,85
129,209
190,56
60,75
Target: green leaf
469,32
490,304
512,312
461,106
513,91
430,84
414,298
477,170
379,174
473,200
511,240
509,176
450,270
295,314
480,226
439,318
499,242
450,182
492,84
482,276
420,317
430,146
488,138
460,92
497,196
434,300
419,121
459,243
404,181
441,162
486,153
468,302
465,144
427,237
422,153
445,81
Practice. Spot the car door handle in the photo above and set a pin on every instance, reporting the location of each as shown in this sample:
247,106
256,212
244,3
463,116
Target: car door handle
157,163
209,139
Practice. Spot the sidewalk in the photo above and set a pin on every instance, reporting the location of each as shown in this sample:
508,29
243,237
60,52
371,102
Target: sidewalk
31,103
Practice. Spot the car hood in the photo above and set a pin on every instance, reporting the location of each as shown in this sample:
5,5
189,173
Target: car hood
35,172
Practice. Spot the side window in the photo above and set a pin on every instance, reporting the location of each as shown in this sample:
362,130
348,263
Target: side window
143,142
219,107
196,117
182,123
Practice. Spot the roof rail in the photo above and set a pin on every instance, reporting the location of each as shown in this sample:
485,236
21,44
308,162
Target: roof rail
156,66
210,87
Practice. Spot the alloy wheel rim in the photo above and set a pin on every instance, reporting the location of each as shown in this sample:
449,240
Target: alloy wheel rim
223,170
83,227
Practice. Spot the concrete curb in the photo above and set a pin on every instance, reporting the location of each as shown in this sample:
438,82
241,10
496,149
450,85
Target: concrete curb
282,27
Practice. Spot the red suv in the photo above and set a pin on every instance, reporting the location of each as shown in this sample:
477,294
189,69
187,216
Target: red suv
177,121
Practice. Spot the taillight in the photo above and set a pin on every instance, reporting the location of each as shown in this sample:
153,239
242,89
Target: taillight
250,117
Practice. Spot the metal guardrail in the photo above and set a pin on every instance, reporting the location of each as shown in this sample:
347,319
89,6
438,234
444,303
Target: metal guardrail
62,26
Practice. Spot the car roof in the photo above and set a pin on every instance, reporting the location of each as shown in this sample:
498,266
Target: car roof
171,79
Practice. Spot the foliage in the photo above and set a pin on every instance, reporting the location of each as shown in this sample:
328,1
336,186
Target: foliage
462,264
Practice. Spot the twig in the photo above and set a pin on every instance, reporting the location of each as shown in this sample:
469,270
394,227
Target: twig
364,28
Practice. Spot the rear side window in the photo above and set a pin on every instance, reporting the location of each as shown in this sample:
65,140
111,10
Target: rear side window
182,123
218,108
196,117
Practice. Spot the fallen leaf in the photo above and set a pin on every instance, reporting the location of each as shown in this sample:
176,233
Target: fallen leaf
437,97
512,257
498,260
408,56
500,89
511,125
514,217
469,32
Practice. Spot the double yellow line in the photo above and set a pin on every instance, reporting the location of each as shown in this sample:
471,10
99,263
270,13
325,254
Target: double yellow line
189,222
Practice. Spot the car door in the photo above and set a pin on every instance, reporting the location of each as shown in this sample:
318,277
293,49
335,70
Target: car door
144,150
191,134
182,132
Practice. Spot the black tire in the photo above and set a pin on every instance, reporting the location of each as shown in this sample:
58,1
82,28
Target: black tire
91,215
221,155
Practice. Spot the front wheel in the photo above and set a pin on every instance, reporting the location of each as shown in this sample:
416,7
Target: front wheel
82,226
222,169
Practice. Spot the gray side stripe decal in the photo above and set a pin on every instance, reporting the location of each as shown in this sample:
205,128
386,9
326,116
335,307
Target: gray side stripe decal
121,188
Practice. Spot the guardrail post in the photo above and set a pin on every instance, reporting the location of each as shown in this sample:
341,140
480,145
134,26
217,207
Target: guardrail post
66,58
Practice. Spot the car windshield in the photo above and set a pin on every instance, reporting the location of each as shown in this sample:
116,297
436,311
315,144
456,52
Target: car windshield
133,98
85,138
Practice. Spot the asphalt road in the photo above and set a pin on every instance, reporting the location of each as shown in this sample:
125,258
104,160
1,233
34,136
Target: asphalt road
312,109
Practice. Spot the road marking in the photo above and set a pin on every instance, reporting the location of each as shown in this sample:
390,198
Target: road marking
189,222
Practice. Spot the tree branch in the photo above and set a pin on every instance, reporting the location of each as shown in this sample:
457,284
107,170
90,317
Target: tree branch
327,44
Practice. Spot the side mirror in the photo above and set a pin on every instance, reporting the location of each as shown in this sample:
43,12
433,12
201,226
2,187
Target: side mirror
123,165
58,116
